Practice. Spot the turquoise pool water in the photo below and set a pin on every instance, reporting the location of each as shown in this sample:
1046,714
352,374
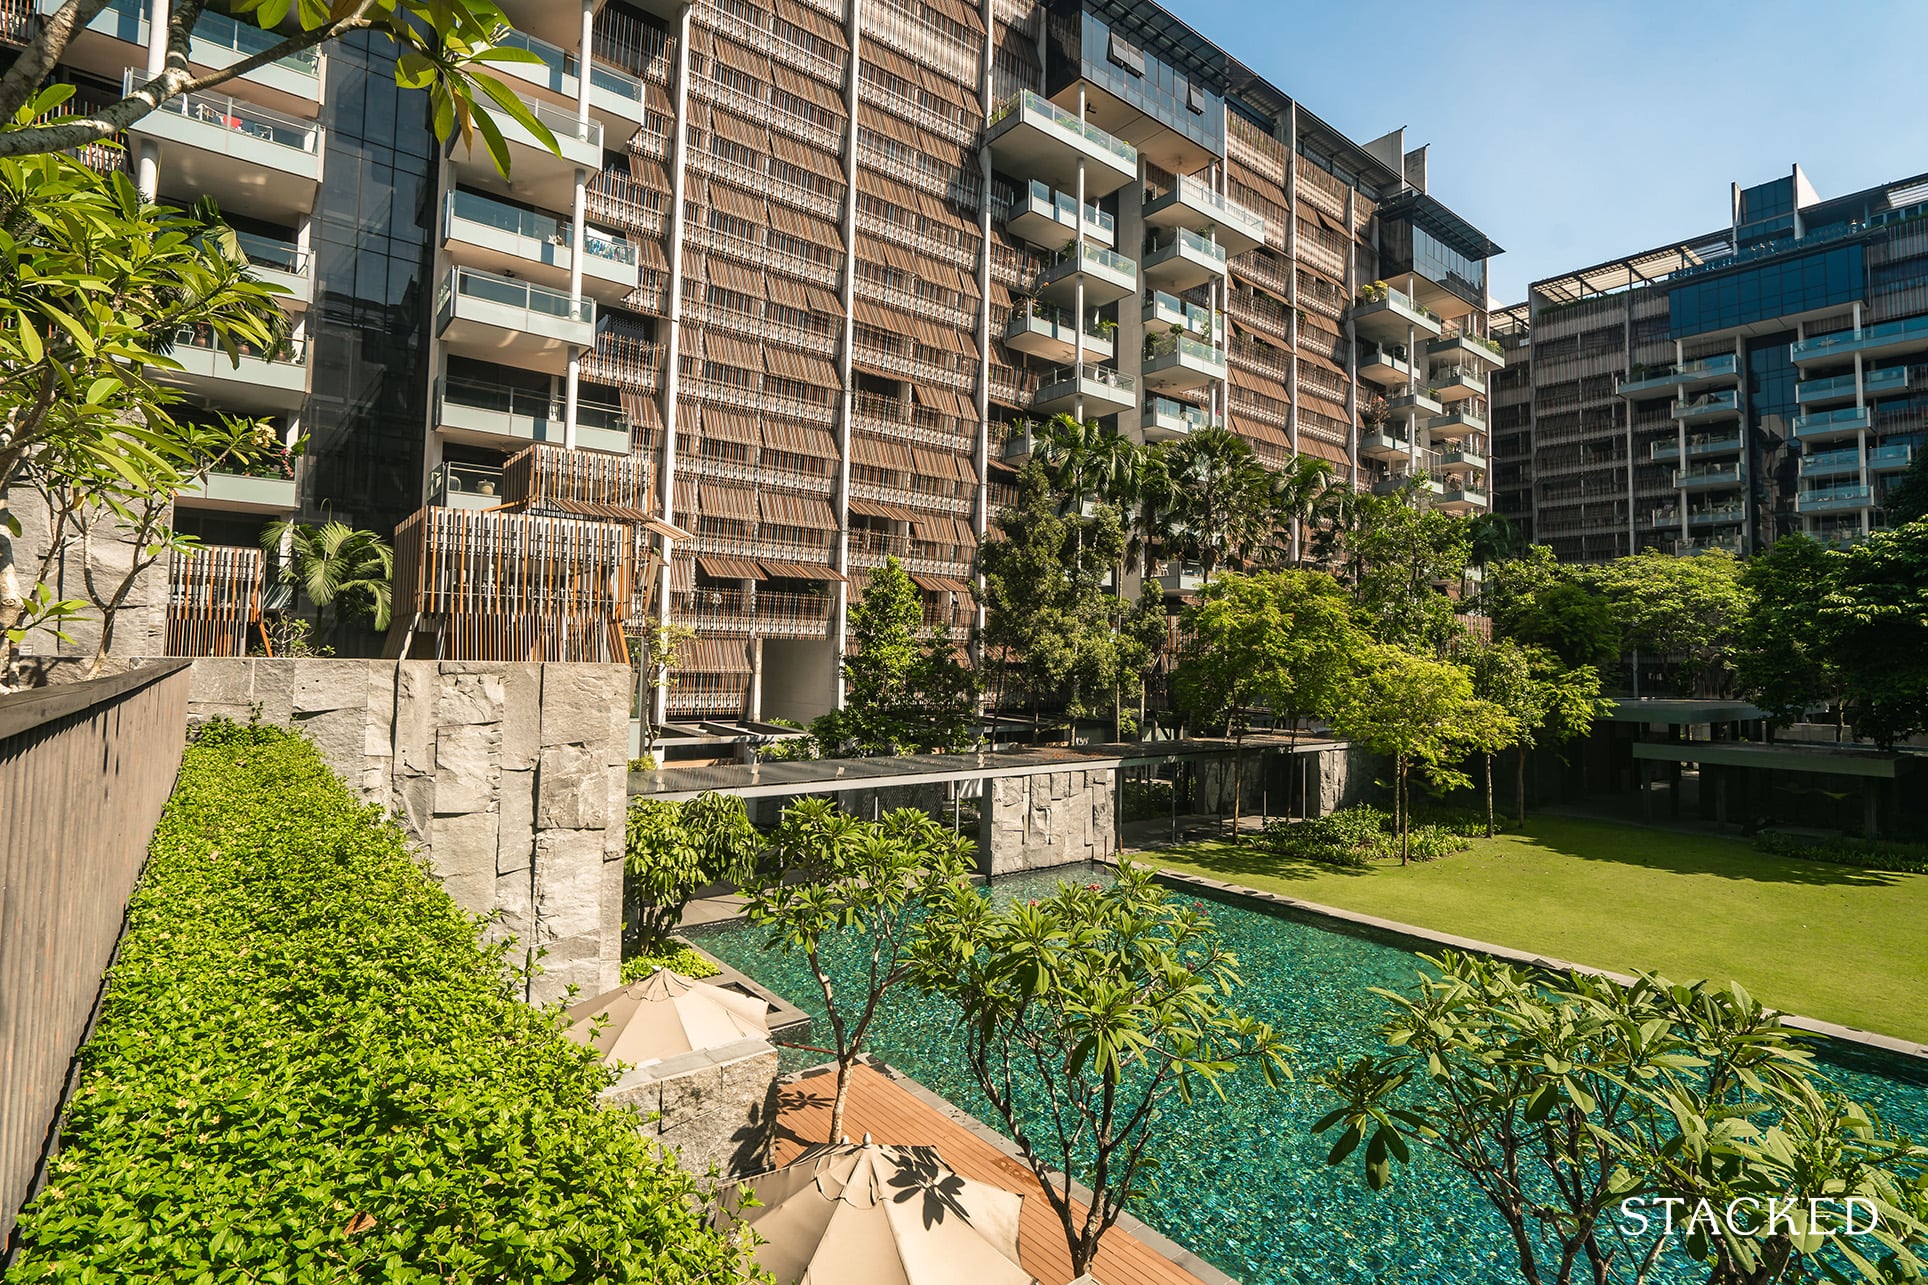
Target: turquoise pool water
1244,1184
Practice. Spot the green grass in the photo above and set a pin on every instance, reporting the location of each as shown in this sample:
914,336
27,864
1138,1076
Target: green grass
1825,941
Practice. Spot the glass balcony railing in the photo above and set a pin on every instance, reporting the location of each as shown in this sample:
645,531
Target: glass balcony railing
1716,515
266,252
1885,459
1186,239
286,352
1168,345
1848,341
1089,374
1193,192
246,39
1098,256
479,394
472,208
1197,318
1709,475
1025,99
518,294
1059,319
1709,404
1066,207
224,112
1825,463
1685,372
480,485
566,124
1833,421
1166,408
1822,498
1378,293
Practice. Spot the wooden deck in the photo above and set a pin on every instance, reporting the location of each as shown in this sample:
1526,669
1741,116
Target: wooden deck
889,1113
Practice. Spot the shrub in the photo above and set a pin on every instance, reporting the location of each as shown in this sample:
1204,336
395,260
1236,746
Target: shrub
1874,854
308,1068
678,959
1467,823
1146,800
1431,842
1351,837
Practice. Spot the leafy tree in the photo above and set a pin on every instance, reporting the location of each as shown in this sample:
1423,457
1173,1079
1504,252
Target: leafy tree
1534,600
1108,1004
1293,497
1212,495
336,566
1875,623
1286,641
1491,538
439,47
1418,712
672,850
96,283
1562,1095
1404,549
1049,620
1688,609
902,693
657,652
1907,499
1546,702
1781,661
839,884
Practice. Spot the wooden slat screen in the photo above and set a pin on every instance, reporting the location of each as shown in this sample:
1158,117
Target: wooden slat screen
214,594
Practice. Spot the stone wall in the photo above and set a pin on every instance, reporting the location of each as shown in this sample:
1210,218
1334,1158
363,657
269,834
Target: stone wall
714,1107
513,778
140,625
1047,819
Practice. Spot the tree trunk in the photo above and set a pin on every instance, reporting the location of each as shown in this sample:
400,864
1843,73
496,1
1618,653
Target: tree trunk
1405,820
837,1106
1489,794
1238,781
1519,795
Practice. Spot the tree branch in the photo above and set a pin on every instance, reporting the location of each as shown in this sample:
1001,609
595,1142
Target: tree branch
42,54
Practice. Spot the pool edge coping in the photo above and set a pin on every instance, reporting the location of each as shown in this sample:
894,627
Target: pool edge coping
1832,1030
1150,1237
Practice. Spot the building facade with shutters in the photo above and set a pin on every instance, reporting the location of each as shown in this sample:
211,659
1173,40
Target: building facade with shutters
1721,392
807,269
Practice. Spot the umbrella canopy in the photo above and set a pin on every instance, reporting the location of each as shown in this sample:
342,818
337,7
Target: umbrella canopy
884,1216
664,1014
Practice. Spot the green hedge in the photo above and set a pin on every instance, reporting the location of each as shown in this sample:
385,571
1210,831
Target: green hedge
308,1068
1874,854
678,959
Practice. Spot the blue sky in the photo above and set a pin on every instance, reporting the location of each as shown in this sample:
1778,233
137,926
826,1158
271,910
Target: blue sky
1572,133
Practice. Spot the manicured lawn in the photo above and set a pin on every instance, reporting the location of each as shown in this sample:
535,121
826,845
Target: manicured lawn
1831,942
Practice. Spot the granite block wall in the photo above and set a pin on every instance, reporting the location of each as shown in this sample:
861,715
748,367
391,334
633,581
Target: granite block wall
512,777
713,1107
1047,819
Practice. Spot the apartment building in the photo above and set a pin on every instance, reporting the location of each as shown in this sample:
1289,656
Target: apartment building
1723,391
787,304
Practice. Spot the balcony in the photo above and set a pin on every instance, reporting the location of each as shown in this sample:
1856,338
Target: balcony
534,170
1033,137
1177,362
1164,312
1417,400
1706,444
1181,580
242,493
1462,457
1414,477
1020,446
1385,444
1833,499
1828,425
1462,348
1457,383
249,159
506,418
250,384
1389,316
280,263
118,34
1182,259
1165,419
1891,459
1840,388
1892,338
1708,406
480,232
1642,382
1386,367
1708,477
1107,276
1193,204
511,322
1832,463
1718,515
1701,544
465,486
1041,330
1087,391
615,98
792,615
1456,425
1456,497
1049,218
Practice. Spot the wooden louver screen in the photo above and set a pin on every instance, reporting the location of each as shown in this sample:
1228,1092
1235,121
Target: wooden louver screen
214,594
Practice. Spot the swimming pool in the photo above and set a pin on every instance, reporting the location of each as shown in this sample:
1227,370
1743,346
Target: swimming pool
1244,1184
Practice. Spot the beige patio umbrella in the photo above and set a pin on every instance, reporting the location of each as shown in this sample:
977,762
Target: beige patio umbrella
664,1014
882,1215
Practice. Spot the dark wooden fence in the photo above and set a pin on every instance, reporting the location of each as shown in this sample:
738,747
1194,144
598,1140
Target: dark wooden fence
84,770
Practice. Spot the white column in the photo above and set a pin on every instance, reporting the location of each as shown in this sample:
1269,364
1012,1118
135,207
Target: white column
673,313
840,551
147,153
1077,253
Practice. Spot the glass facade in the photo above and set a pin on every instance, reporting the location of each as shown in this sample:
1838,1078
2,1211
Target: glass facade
368,328
1135,71
1777,288
1767,211
1771,376
1405,247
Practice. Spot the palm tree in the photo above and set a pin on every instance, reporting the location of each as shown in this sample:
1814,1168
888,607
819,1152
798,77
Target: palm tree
1296,491
1216,491
1494,539
335,565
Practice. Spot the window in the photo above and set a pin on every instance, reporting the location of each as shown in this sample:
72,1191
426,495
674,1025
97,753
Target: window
1195,100
1780,288
1127,55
